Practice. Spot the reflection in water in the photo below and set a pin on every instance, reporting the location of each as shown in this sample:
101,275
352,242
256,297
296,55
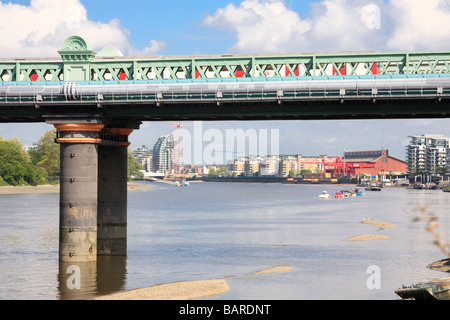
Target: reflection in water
77,280
85,280
111,274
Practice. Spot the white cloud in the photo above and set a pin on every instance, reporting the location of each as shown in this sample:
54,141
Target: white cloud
419,25
336,25
40,29
153,48
267,26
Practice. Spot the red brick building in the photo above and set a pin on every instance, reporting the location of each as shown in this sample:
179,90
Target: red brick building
373,162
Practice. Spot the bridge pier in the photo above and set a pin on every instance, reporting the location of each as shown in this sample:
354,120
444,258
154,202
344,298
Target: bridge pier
112,193
78,191
93,191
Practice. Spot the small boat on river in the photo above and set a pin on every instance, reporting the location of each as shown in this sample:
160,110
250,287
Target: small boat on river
339,195
324,195
438,289
373,188
348,193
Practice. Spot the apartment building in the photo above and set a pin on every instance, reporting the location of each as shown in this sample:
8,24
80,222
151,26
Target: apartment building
237,165
288,164
269,166
163,152
145,157
252,166
428,153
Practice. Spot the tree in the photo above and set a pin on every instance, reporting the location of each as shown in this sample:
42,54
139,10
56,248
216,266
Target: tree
441,170
133,166
212,172
292,173
16,168
47,155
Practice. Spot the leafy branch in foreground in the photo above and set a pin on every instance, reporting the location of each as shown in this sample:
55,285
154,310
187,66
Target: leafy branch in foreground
433,228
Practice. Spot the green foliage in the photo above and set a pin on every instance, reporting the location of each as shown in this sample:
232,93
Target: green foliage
2,182
16,167
212,172
221,171
133,166
46,156
40,165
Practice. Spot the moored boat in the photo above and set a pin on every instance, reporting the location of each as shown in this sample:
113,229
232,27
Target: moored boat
348,193
373,188
438,289
324,195
338,195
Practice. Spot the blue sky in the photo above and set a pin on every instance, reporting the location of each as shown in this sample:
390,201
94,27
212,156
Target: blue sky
39,27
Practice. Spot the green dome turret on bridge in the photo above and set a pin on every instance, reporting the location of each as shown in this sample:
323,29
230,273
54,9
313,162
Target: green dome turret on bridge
77,54
76,48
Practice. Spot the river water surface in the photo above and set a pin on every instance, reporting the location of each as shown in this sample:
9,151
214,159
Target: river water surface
232,230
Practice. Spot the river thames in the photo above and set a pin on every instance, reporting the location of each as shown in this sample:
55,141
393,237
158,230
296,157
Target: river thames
230,231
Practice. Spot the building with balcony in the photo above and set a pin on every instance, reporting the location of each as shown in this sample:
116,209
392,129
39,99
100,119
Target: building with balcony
269,166
163,153
288,164
428,154
145,157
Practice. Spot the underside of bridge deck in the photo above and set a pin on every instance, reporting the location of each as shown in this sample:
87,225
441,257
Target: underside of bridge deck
242,110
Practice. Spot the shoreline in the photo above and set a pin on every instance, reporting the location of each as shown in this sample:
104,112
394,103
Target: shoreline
54,188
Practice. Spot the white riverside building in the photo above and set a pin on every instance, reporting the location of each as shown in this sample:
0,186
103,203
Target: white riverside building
163,155
428,154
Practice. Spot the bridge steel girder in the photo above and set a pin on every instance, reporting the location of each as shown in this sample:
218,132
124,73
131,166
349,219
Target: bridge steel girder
126,114
285,110
259,99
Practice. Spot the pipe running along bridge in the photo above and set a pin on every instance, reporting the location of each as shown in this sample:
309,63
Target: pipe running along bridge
95,101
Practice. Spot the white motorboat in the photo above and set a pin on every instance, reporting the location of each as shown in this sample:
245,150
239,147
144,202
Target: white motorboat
324,195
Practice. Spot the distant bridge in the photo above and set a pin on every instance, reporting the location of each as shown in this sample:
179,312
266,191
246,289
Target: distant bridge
96,100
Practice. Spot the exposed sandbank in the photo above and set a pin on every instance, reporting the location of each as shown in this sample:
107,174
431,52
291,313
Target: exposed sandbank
364,237
381,226
274,270
48,188
54,188
137,186
183,290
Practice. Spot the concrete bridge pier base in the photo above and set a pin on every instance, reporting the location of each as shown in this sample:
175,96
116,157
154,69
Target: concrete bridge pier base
93,191
78,191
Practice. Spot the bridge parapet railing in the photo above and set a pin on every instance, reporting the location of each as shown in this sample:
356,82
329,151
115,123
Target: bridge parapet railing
239,67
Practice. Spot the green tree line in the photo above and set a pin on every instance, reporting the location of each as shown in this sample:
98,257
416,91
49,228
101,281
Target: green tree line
38,165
